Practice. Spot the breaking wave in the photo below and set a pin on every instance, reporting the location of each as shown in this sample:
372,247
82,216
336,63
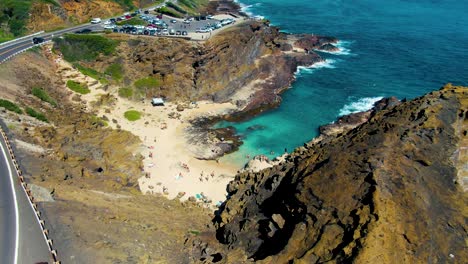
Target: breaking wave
361,105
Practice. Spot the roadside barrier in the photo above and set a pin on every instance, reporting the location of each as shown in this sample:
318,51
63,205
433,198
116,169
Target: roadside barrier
21,51
27,191
16,39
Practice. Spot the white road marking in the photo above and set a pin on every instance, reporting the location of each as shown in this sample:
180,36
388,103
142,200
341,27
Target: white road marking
16,205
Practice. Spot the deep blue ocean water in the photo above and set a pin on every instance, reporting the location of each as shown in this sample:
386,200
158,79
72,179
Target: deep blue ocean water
402,48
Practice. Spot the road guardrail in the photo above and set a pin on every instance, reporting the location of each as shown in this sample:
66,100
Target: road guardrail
21,51
16,39
27,190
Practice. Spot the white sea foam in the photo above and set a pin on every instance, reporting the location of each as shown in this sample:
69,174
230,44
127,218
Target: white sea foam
327,64
361,105
343,48
246,9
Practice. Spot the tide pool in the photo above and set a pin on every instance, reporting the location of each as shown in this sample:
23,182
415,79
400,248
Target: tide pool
388,48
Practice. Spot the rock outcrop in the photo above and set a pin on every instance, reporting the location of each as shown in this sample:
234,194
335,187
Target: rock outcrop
249,64
387,191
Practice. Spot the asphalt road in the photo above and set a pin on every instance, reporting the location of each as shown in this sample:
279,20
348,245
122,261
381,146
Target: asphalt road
22,44
21,237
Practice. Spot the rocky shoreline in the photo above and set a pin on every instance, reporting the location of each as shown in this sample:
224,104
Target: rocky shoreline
277,57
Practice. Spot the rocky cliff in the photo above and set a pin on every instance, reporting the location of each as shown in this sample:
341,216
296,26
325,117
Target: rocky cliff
249,64
388,191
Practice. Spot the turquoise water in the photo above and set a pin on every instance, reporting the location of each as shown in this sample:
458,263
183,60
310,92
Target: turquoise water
389,48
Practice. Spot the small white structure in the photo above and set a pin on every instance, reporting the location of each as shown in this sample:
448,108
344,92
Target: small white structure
157,101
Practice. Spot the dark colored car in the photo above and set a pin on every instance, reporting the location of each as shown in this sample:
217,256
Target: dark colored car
178,33
146,12
112,20
83,31
37,40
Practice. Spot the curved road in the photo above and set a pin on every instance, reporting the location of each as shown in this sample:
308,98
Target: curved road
11,48
21,237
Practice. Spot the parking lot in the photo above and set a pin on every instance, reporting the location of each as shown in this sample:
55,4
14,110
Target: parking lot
163,25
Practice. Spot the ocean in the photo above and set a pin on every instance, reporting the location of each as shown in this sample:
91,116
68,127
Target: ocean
388,48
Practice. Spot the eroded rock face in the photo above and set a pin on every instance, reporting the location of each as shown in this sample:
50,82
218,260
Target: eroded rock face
249,65
385,192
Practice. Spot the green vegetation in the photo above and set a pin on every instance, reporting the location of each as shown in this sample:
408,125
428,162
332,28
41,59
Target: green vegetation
81,88
176,7
194,232
126,4
126,92
98,121
10,106
85,47
14,15
187,3
41,94
35,114
147,83
4,38
132,115
169,11
192,6
91,73
115,71
133,21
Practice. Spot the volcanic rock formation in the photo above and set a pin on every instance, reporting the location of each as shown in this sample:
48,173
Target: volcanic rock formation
387,191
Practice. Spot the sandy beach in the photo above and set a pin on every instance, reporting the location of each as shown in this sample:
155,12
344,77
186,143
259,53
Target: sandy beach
170,167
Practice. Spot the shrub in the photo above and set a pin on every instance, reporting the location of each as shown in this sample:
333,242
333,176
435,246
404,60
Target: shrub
10,106
81,88
147,83
85,47
126,4
35,114
133,21
98,121
170,12
187,3
126,92
132,115
115,71
176,7
91,73
41,94
14,15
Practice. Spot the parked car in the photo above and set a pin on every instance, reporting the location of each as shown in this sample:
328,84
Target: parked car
209,17
186,21
184,33
160,16
178,33
96,20
173,21
37,40
83,31
171,32
112,20
111,26
128,17
146,12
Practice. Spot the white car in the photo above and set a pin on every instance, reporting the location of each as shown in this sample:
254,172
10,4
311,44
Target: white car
96,20
109,26
107,22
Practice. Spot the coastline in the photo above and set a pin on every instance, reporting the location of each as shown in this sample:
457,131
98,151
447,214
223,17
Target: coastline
181,154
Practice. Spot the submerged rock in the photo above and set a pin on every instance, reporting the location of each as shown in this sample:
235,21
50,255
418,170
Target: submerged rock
329,47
